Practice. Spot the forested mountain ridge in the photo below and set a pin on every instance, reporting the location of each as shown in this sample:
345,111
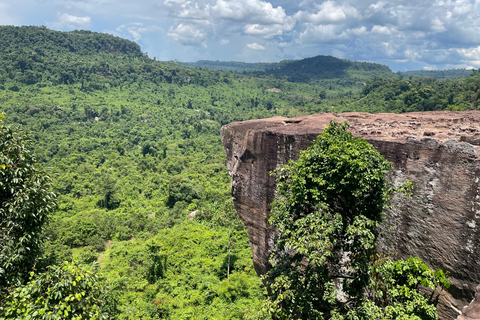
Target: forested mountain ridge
327,67
437,74
233,66
133,146
419,94
37,55
82,42
308,70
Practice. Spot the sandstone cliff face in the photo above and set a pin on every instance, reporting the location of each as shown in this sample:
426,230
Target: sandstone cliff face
437,151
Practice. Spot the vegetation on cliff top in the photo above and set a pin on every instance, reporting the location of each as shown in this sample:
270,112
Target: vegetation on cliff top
325,265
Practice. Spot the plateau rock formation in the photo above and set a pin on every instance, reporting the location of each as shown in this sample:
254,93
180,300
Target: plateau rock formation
437,151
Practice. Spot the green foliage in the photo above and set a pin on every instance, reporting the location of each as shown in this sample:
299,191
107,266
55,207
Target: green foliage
26,204
327,208
309,70
68,291
233,66
327,67
437,74
418,94
393,291
182,190
181,273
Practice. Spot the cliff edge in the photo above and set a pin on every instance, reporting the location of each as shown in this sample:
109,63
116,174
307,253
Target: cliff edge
437,151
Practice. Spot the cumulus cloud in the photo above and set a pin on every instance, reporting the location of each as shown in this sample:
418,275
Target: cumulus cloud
184,9
438,25
204,20
462,7
135,30
412,54
385,30
188,35
472,54
255,46
375,7
69,21
321,33
358,31
328,12
432,33
267,31
255,11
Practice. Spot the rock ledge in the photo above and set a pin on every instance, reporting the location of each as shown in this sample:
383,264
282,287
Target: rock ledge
437,151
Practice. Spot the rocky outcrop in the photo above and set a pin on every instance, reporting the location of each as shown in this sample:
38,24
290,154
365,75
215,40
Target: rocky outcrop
472,311
437,151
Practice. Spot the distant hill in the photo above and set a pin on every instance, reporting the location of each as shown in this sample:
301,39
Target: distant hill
36,55
232,66
42,40
437,74
306,70
327,67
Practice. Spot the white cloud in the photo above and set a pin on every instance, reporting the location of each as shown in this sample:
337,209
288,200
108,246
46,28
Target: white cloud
68,21
255,46
187,9
135,30
462,7
470,53
438,25
224,42
358,31
390,48
188,35
384,30
253,11
321,33
412,54
267,31
328,12
376,6
208,19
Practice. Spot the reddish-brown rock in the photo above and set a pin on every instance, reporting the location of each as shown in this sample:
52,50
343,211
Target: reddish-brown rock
437,151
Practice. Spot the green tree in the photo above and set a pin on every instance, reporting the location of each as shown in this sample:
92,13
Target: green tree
325,264
68,291
25,206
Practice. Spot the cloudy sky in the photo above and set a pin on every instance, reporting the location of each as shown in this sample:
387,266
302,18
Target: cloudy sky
403,34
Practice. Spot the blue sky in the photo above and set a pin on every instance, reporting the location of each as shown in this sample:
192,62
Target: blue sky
403,34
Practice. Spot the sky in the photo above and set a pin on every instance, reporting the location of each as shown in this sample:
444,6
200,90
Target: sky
402,34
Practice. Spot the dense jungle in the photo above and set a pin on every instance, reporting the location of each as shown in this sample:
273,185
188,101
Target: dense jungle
132,146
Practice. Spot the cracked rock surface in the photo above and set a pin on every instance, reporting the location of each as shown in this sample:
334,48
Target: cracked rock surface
437,151
472,311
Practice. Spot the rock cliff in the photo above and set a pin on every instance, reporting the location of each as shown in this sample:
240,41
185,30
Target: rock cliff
472,311
437,151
